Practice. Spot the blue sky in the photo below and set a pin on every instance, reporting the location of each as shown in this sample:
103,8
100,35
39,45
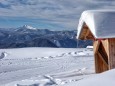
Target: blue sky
47,14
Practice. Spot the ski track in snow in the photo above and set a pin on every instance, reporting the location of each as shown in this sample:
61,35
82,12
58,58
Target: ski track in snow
50,69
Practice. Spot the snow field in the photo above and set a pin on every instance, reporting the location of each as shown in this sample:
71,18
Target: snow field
44,66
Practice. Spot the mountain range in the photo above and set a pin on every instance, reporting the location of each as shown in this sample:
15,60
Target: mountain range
27,36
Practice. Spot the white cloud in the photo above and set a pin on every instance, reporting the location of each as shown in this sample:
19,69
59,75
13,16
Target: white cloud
60,12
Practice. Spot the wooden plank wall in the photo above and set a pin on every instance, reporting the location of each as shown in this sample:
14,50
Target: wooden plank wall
111,53
104,53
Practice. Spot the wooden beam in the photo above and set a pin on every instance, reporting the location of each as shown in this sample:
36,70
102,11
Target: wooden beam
106,46
103,53
96,57
101,67
96,46
102,58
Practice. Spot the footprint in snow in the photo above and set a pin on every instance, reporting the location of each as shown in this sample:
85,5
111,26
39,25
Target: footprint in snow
28,85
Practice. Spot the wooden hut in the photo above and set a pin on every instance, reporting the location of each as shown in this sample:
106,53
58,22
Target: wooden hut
99,26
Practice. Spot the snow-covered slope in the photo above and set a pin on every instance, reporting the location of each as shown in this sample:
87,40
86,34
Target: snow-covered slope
51,67
44,66
103,79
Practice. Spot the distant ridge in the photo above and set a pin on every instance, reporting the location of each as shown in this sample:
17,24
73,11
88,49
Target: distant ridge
28,36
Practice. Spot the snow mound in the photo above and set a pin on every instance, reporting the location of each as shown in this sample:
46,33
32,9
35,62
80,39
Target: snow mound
3,55
89,47
103,79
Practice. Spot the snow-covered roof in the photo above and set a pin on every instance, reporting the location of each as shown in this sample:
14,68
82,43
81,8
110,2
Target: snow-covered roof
101,23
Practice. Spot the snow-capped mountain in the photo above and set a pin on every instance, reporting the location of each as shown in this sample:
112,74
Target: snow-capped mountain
29,27
27,36
26,29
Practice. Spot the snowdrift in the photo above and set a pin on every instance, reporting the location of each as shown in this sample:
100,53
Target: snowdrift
103,79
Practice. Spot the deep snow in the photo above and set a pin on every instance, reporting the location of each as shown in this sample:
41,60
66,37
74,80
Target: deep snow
100,22
44,66
104,79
